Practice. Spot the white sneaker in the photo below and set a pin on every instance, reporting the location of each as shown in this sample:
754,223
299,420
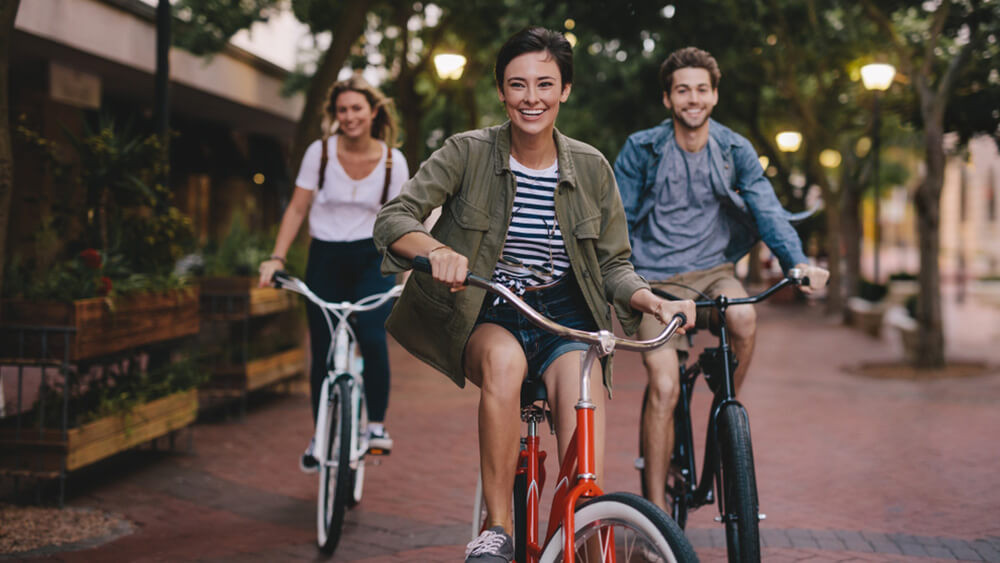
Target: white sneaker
379,442
308,462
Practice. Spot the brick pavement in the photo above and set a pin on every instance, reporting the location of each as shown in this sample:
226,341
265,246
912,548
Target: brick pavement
849,468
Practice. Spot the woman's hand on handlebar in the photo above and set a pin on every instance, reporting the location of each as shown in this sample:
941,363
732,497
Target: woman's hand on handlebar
448,267
267,269
817,277
644,300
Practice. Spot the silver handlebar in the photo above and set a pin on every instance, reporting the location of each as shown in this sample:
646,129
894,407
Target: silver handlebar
371,302
605,341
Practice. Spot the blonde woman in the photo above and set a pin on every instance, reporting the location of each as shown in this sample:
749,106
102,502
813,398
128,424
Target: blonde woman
344,179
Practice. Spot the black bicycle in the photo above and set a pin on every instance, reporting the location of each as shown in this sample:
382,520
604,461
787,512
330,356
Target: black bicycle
728,458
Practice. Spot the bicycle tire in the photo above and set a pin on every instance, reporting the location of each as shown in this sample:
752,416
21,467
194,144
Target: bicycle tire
334,472
358,474
739,485
640,529
675,485
520,516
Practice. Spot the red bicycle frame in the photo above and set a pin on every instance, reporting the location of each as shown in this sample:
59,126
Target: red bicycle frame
578,467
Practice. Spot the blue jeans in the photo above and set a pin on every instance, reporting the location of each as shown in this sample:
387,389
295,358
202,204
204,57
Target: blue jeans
348,271
562,303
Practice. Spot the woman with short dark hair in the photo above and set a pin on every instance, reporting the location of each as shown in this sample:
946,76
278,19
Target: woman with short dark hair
534,210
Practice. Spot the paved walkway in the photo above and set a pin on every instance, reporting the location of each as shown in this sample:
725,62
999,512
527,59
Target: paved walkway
849,468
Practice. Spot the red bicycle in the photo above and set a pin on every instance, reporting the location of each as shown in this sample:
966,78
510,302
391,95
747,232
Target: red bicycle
614,527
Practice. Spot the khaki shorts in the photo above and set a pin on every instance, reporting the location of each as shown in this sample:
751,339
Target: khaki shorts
713,282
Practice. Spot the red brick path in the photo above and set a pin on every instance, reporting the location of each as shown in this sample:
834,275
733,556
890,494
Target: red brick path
849,468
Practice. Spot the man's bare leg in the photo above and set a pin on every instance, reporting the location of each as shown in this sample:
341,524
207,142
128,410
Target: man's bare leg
657,430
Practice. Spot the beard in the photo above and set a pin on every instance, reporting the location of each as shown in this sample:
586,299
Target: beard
688,124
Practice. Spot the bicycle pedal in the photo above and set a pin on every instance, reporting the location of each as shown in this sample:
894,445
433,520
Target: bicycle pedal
379,451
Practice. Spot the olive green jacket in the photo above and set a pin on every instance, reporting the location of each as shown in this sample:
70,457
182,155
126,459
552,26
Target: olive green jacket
470,178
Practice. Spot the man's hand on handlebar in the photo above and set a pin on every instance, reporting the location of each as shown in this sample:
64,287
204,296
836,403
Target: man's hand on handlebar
644,300
448,267
816,276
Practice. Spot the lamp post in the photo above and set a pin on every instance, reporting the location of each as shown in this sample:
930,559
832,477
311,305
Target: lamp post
449,67
877,77
789,142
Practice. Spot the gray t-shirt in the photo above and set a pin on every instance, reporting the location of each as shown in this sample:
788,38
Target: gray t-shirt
686,223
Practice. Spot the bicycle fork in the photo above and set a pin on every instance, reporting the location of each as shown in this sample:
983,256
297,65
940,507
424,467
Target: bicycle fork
530,464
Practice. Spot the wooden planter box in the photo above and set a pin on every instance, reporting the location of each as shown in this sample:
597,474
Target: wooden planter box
137,320
866,315
45,453
233,298
257,373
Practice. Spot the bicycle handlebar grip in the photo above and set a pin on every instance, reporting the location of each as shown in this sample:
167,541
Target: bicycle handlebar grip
280,278
422,264
682,317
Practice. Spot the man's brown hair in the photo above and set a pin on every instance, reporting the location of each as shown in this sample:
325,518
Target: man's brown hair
692,57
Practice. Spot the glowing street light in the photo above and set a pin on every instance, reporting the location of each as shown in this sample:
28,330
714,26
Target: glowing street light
829,158
877,77
788,141
449,66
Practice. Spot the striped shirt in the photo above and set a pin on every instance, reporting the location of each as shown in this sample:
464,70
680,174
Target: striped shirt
534,253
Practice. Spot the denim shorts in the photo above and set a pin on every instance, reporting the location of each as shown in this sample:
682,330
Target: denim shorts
562,302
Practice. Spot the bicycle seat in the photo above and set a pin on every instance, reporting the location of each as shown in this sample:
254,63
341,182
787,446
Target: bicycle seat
533,390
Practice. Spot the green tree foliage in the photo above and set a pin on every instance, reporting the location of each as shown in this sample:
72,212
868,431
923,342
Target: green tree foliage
206,26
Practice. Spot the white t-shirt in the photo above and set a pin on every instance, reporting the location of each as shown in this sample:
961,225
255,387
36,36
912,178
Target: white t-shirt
344,210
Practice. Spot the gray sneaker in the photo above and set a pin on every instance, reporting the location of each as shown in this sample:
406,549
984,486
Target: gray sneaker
492,546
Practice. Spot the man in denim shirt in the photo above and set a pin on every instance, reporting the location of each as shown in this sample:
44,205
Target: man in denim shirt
696,200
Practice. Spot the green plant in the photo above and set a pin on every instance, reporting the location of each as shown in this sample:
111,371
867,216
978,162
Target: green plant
241,251
110,190
871,291
114,390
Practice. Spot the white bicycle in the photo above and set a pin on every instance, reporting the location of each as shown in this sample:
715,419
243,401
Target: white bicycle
341,439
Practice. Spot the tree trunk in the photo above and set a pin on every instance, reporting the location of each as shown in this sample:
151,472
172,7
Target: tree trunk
930,351
835,291
407,100
349,28
8,11
853,176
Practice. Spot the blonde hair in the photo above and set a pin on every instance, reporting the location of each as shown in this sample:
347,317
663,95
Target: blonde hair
384,125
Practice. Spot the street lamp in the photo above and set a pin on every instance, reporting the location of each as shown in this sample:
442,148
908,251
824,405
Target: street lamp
877,77
449,67
788,141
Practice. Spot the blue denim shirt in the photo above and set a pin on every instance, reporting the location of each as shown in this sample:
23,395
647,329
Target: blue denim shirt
737,180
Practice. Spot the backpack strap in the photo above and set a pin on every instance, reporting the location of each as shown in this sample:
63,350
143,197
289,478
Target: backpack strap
322,164
388,174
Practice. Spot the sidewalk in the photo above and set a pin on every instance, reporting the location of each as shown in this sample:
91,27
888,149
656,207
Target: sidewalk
849,468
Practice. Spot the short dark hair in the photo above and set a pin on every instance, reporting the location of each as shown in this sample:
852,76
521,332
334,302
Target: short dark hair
532,40
689,57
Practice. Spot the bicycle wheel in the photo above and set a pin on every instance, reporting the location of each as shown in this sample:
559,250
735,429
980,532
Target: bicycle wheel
739,485
676,485
334,472
639,530
358,474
